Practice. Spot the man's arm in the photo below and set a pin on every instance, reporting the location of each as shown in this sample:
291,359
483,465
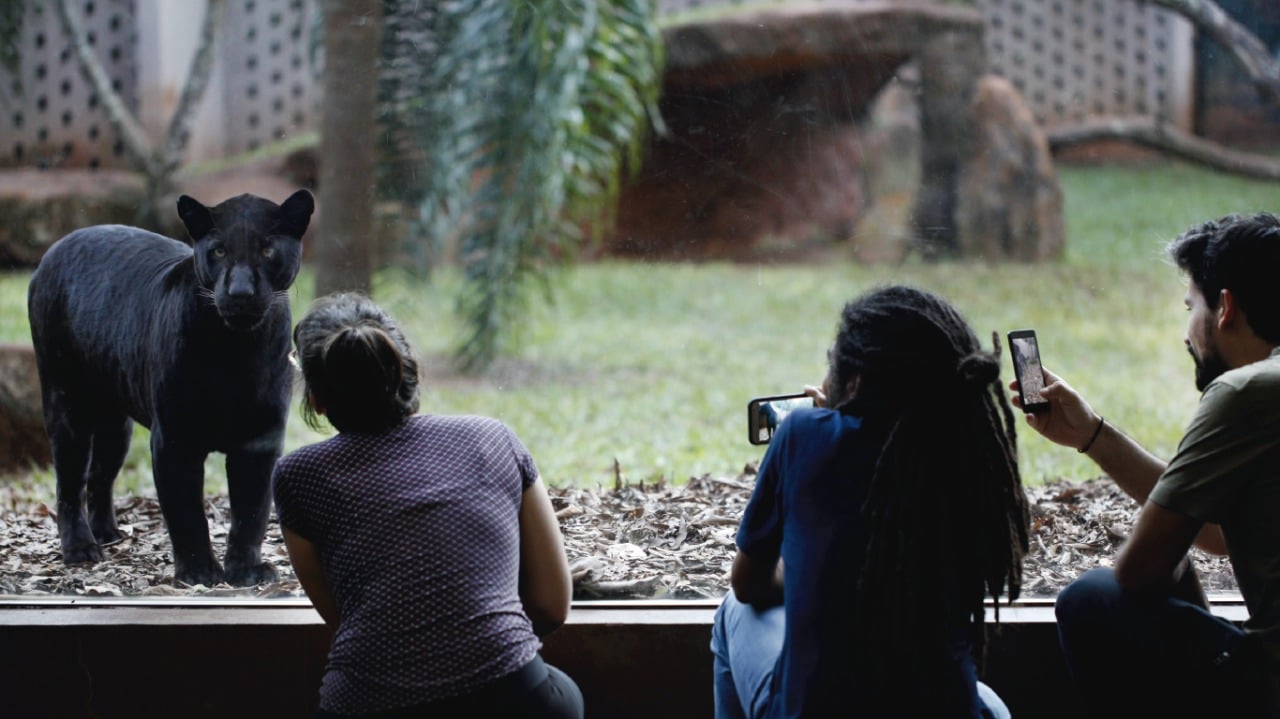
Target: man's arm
1071,422
1155,555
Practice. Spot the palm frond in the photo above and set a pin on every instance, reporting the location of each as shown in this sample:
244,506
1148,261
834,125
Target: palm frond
527,115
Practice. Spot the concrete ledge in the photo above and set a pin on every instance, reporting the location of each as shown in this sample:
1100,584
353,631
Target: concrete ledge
251,658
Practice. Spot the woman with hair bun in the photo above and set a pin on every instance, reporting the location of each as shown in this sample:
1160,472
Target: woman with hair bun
880,521
427,541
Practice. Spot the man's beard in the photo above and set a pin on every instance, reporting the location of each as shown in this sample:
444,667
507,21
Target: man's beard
1209,367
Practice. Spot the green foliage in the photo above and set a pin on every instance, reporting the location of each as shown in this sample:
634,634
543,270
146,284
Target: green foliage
525,115
652,365
12,13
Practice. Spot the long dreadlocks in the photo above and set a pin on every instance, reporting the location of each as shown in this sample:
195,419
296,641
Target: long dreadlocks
946,511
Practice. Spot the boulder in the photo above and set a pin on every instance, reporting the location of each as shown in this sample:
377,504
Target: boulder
764,149
1009,201
38,207
23,441
765,168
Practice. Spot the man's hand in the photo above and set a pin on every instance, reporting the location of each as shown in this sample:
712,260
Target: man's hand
1070,421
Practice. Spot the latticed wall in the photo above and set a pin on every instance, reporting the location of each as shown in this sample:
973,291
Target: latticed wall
269,80
1074,59
53,118
1078,59
1071,60
51,115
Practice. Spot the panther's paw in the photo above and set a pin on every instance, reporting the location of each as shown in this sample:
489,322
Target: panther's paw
108,536
192,573
81,553
247,575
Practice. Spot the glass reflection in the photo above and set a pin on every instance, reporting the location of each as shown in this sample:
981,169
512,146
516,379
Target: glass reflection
1027,160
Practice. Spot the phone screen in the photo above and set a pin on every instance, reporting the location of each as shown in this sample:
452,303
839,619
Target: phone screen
764,414
1026,366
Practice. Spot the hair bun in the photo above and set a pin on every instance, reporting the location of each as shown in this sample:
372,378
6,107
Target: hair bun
978,370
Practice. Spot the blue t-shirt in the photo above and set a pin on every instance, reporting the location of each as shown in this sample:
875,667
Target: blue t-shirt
418,534
806,509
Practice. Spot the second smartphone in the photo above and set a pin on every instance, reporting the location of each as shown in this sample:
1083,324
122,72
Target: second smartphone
1028,370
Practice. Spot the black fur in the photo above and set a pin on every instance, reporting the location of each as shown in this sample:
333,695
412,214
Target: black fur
191,341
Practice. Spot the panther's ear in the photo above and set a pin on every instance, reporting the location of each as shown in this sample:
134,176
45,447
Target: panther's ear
295,213
195,216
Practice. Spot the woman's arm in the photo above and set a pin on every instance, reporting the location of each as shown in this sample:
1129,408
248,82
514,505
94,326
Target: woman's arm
756,583
306,565
546,587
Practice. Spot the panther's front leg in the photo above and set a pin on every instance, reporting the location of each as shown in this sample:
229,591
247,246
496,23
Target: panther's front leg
179,477
249,484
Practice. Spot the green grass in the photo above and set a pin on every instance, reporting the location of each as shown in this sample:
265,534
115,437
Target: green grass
651,365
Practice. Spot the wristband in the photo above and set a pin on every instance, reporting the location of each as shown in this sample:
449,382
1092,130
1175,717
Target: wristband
1097,431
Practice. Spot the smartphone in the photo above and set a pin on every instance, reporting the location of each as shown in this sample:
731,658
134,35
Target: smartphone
764,414
1027,368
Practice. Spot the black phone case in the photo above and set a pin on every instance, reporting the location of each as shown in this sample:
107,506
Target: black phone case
1014,355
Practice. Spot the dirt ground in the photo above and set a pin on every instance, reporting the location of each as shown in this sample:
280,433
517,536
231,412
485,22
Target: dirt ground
635,541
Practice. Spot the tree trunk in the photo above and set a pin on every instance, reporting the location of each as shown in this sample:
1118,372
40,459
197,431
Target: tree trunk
348,147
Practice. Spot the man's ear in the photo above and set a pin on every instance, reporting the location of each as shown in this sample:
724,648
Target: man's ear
1227,310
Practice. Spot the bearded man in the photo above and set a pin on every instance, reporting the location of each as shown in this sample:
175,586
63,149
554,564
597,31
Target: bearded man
1137,643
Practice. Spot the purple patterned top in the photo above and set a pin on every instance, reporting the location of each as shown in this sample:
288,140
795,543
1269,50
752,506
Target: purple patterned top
418,535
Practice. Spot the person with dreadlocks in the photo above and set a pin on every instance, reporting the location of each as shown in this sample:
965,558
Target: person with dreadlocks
880,521
1132,631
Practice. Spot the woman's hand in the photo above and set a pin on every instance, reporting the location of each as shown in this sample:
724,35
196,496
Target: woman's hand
819,396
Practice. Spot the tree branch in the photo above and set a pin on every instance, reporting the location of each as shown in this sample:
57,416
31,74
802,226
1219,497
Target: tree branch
1244,46
135,138
1144,131
179,132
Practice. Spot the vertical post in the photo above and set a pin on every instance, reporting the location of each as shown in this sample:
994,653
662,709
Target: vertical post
951,62
348,147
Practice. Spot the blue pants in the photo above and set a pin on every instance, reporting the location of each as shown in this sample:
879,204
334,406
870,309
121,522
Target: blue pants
746,645
537,691
1153,654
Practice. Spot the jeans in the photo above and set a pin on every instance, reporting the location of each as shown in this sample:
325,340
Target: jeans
1153,654
746,644
537,691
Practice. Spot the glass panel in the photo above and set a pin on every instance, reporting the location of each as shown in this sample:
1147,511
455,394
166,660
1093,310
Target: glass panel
804,155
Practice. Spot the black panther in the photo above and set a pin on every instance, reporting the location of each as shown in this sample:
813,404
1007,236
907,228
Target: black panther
191,341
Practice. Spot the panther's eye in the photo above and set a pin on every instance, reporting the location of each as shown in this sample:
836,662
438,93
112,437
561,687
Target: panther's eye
268,252
218,253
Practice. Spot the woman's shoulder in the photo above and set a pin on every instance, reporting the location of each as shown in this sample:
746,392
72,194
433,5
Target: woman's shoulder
823,417
311,452
468,424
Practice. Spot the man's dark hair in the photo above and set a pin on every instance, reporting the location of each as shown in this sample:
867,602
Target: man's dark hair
1240,253
357,363
946,509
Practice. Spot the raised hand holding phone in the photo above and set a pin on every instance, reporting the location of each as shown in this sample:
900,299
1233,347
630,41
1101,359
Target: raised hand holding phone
764,414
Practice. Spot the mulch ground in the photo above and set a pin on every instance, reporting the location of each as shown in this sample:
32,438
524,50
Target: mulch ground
635,541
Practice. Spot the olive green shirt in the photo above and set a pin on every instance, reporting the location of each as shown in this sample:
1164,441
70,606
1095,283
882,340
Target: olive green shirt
1227,471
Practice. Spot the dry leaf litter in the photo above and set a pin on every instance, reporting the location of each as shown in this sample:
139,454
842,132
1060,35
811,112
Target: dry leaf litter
636,541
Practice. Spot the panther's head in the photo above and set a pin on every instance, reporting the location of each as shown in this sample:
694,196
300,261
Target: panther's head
247,252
